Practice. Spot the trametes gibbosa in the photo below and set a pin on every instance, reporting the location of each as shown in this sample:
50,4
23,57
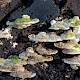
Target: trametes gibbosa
66,40
15,64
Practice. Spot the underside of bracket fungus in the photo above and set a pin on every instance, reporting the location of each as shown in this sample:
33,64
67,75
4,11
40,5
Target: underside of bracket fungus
23,22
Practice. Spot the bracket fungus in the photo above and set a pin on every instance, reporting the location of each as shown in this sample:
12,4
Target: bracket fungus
74,62
75,21
14,65
68,35
43,51
45,37
71,51
71,28
76,30
6,33
23,22
52,36
67,40
65,24
72,44
60,25
32,57
14,44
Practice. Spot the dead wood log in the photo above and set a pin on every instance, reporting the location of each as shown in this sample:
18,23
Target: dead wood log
6,6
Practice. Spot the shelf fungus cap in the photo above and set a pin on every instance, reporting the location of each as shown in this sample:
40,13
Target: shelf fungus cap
33,57
72,44
45,37
40,37
59,25
69,35
29,52
43,51
71,51
6,33
8,66
23,22
76,30
74,62
39,58
53,37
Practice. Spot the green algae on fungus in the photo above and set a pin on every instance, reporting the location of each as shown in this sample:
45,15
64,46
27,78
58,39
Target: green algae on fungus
57,25
14,59
77,46
75,21
60,24
69,35
16,70
23,19
23,22
65,24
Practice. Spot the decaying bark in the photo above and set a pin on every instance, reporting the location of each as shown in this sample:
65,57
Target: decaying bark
7,6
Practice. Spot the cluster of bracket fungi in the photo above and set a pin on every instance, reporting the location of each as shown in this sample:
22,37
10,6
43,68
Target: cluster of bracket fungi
67,41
